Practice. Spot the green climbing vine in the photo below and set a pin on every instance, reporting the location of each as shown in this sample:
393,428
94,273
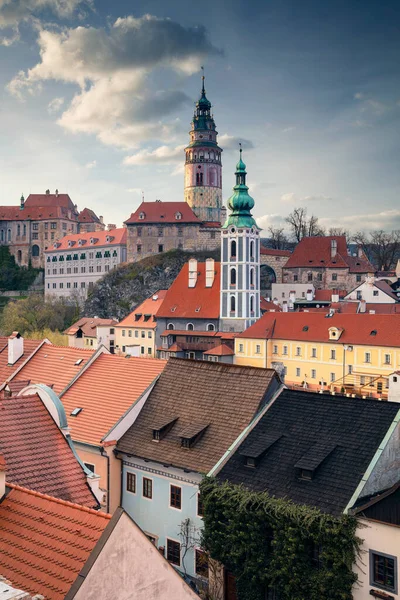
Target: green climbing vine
269,543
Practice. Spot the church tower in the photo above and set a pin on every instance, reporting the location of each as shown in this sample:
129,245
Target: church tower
203,168
240,259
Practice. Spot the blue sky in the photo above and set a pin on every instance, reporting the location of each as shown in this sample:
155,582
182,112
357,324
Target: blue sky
96,99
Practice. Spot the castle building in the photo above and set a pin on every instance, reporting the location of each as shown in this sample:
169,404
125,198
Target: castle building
203,168
240,259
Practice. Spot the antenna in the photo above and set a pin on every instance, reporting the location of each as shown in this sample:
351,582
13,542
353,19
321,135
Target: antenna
142,196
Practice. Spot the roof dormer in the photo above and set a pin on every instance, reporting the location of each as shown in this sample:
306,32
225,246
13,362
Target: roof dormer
71,243
162,427
178,216
142,215
253,452
192,434
335,333
109,238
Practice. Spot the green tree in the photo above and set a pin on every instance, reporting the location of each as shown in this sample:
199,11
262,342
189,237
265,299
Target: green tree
12,276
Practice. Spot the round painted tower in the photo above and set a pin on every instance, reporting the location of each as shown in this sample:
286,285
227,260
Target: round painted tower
203,168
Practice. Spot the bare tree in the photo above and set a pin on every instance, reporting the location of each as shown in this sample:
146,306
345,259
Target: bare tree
277,238
301,225
339,231
385,247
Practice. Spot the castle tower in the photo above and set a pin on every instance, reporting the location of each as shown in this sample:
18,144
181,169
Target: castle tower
203,168
240,259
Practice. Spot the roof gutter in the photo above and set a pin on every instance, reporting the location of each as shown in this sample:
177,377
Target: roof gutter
224,459
373,463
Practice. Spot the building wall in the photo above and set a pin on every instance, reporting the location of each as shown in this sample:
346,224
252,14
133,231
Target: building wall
371,294
67,278
91,455
281,291
380,538
276,263
106,336
127,336
147,240
300,367
181,325
156,517
323,278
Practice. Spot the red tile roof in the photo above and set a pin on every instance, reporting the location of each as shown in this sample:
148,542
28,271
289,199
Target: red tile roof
45,541
272,252
7,370
148,307
386,289
326,295
54,366
383,309
316,252
199,302
49,200
37,454
35,213
88,216
163,212
116,236
88,325
266,305
340,307
356,329
221,350
105,391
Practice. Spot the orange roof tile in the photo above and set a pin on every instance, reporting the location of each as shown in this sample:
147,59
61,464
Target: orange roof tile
221,350
105,391
326,295
149,307
50,200
116,236
54,366
199,302
266,305
316,252
89,326
356,329
272,252
7,370
36,452
45,541
163,212
35,213
88,216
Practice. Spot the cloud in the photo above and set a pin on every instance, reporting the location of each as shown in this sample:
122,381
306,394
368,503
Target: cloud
55,105
288,129
371,105
387,219
112,68
134,190
272,220
91,165
161,155
229,142
292,198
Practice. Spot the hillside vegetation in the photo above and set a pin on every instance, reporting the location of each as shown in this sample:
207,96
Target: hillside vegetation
121,290
12,276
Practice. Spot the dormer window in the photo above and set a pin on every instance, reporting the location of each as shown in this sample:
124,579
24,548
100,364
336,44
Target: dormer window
192,434
253,452
178,216
335,333
142,215
162,427
312,460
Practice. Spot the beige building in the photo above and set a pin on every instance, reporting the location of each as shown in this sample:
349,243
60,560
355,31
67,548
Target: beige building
91,333
136,334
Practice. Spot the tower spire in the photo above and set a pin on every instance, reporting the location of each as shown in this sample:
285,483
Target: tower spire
203,90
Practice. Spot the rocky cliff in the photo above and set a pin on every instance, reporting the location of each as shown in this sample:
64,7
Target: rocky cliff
121,290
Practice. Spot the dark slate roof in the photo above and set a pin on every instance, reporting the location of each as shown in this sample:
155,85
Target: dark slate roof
196,394
336,436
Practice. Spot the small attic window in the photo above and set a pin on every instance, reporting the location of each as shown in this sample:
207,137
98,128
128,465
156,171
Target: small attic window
178,216
254,451
250,462
306,474
146,318
373,332
197,309
191,435
305,328
137,316
76,412
79,361
173,309
161,428
142,216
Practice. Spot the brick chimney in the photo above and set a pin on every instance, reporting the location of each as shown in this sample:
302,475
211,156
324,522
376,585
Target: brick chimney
210,272
2,476
15,347
192,273
333,248
363,306
111,226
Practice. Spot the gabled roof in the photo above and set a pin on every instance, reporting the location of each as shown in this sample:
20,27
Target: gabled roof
315,252
364,329
115,236
54,366
198,302
45,541
221,350
386,289
334,437
88,216
105,391
88,325
35,213
148,308
272,252
326,295
50,200
226,396
163,212
36,452
7,370
383,309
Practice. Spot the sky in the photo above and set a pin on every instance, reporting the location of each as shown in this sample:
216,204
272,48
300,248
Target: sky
96,99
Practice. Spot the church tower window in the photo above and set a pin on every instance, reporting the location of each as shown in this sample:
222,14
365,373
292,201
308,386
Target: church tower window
233,249
233,276
233,304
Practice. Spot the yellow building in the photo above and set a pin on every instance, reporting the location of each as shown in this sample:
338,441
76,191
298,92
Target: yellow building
354,354
136,334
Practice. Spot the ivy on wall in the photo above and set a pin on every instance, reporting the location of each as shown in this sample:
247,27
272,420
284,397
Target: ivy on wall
274,544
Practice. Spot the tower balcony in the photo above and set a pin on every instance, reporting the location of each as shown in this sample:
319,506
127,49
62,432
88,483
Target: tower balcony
203,160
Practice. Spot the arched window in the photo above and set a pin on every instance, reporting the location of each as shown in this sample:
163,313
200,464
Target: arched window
19,256
251,276
35,250
251,249
170,326
233,276
251,304
24,229
2,235
9,235
189,327
233,304
18,230
210,327
233,249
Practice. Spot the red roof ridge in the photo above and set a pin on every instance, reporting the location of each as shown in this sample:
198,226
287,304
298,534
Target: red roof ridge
59,501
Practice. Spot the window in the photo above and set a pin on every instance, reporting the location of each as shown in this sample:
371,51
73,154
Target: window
174,552
359,295
387,359
210,327
350,369
98,268
123,333
170,326
285,350
251,276
130,333
309,277
160,232
319,277
362,379
83,269
258,349
313,374
180,231
233,276
160,248
75,284
90,466
375,293
68,285
35,226
201,563
83,284
68,270
298,351
139,248
251,250
54,285
313,353
333,354
233,249
61,285
334,276
240,347
107,268
251,305
275,350
136,333
295,277
46,225
200,507
383,571
131,483
91,269
233,304
367,357
35,236
53,225
64,226
35,250
333,377
175,500
147,488
190,327
358,278
75,269
297,372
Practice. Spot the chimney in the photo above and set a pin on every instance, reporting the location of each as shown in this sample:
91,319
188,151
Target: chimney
192,272
15,347
210,272
101,219
285,306
363,306
2,476
47,192
360,252
56,193
394,388
22,202
333,248
111,226
292,295
310,295
335,296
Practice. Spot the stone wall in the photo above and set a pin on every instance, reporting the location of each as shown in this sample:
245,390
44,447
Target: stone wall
323,278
